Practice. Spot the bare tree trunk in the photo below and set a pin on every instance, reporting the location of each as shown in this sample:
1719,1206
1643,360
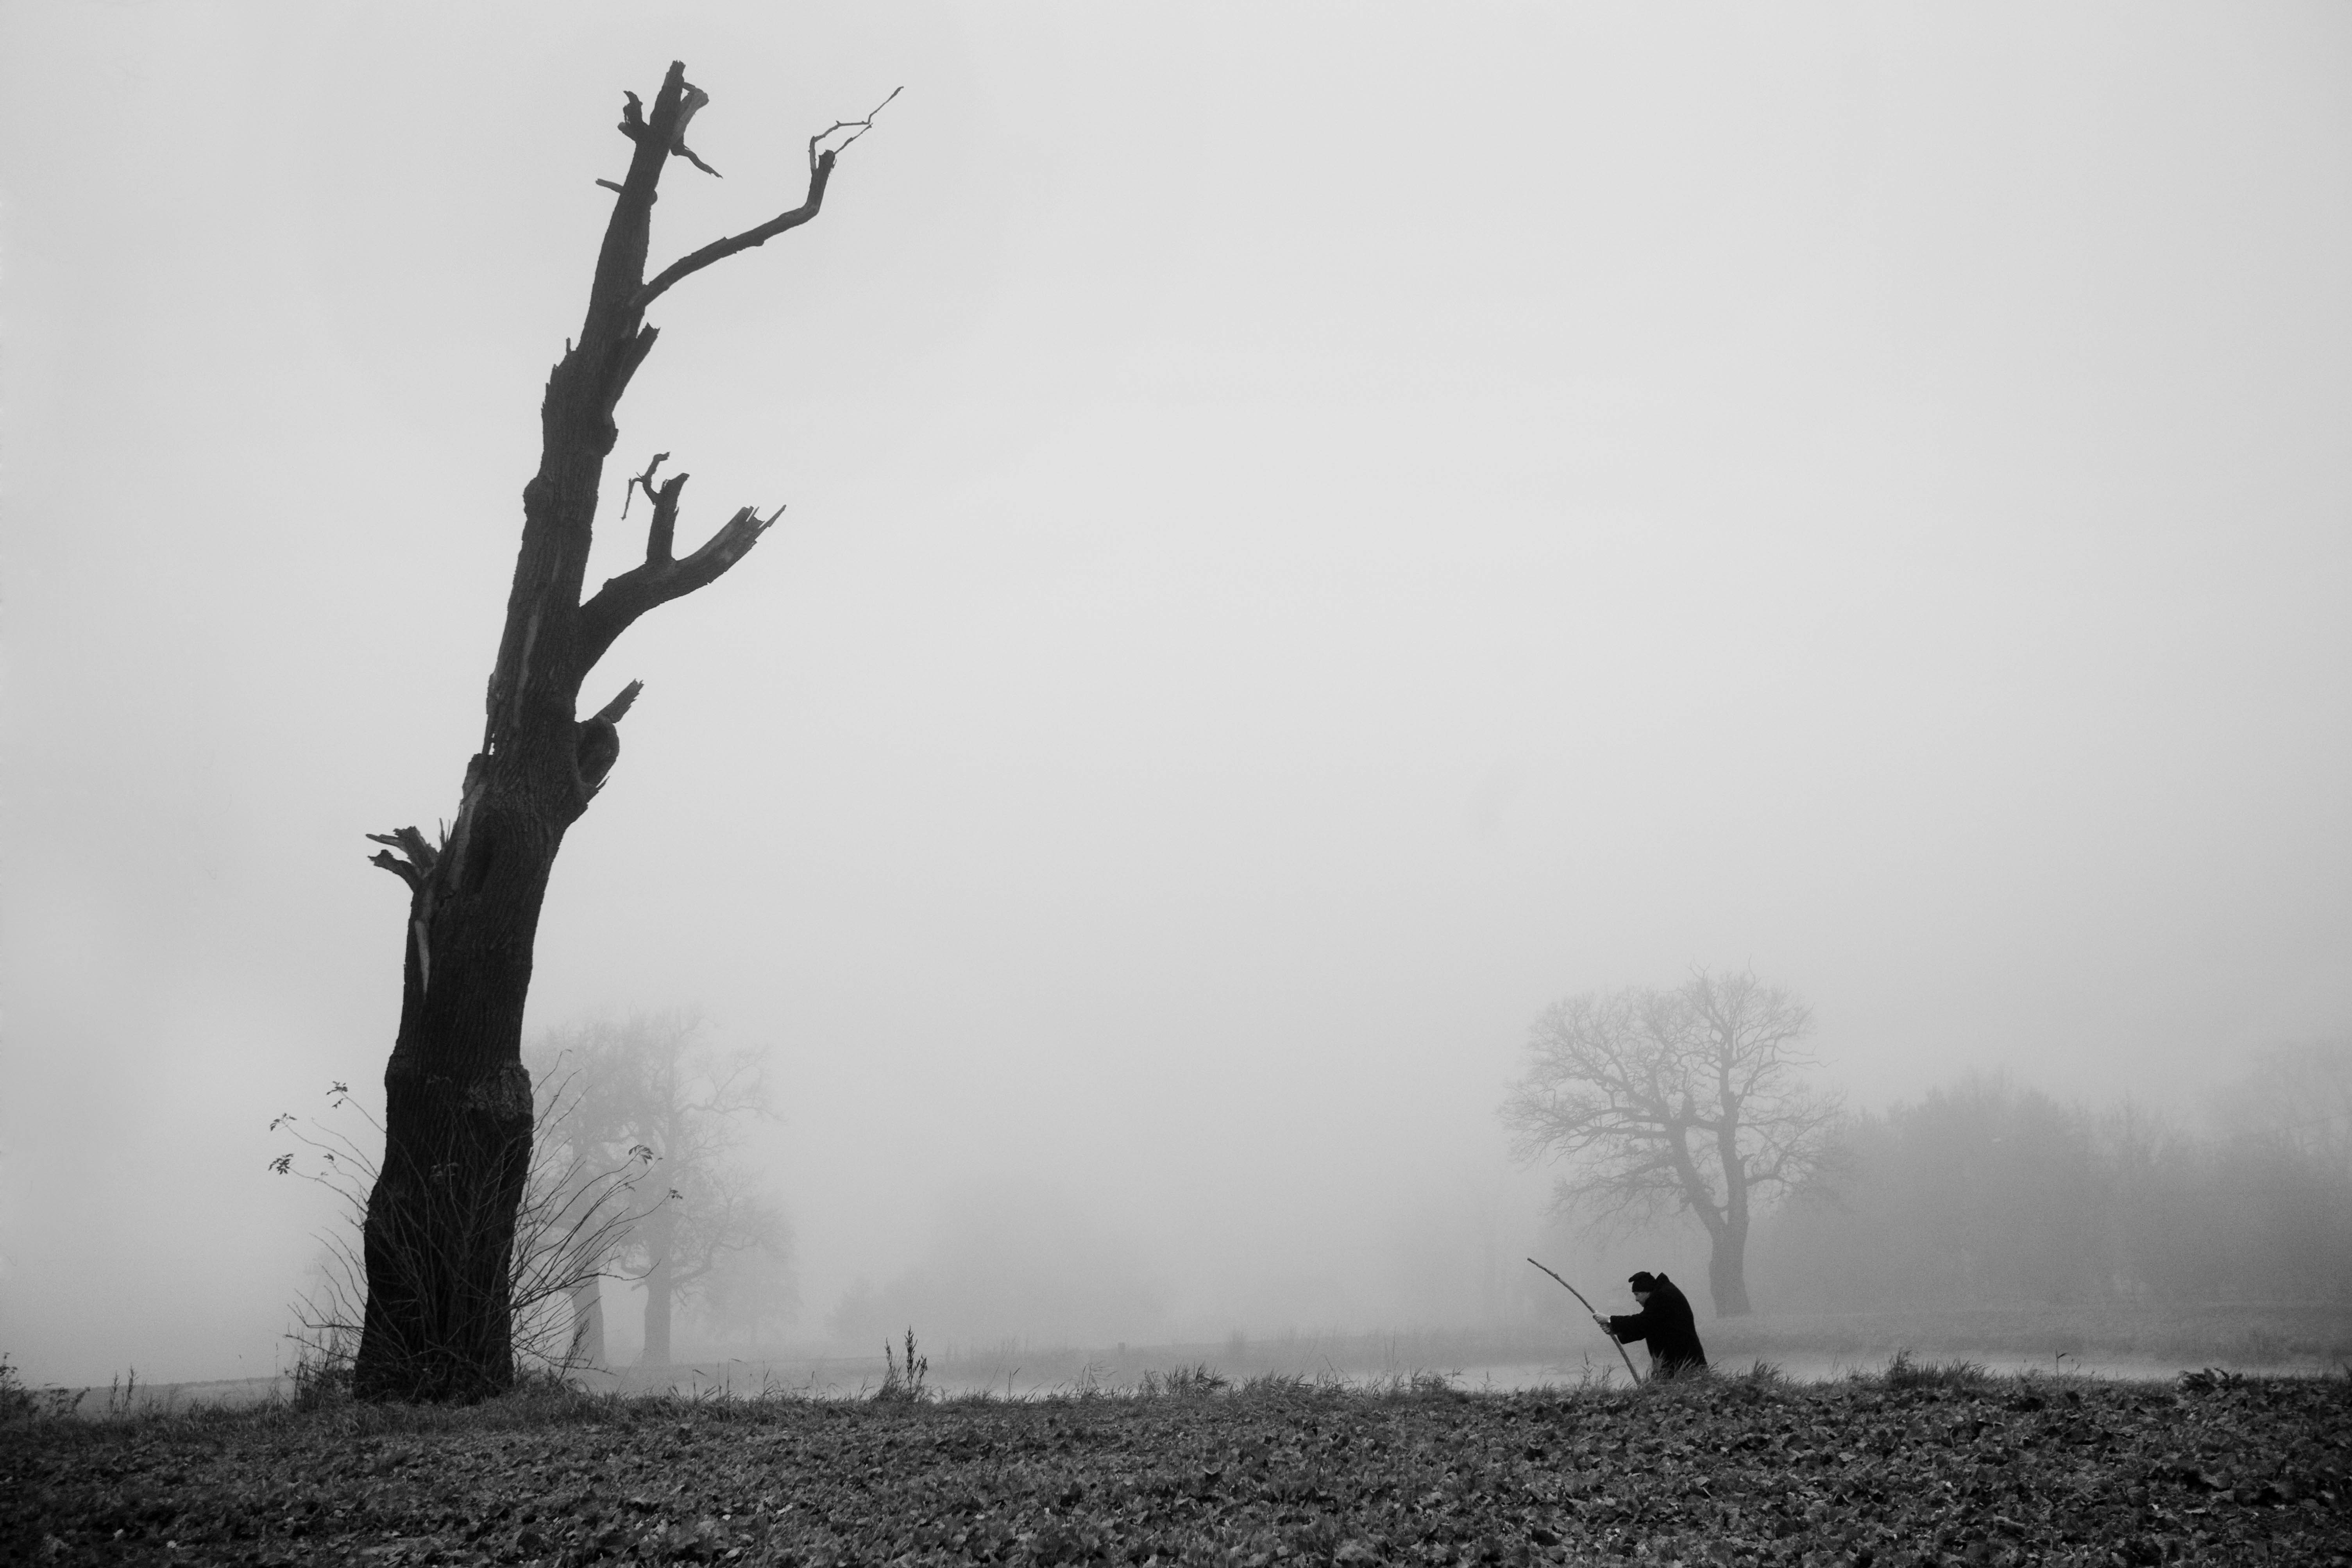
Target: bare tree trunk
1727,1270
658,1314
588,1321
661,1285
1726,1222
458,1111
458,1126
1727,1263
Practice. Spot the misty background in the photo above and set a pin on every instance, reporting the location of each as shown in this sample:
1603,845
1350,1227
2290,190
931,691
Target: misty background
1314,531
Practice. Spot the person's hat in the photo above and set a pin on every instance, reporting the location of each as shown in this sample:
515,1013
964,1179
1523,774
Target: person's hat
1643,1281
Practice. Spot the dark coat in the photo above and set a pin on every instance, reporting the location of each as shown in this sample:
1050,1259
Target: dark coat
1665,1321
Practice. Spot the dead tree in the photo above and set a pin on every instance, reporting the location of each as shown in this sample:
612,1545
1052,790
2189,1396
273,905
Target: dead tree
458,1122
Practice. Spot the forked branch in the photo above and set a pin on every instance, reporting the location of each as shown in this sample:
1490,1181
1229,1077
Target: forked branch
859,127
662,531
624,598
820,172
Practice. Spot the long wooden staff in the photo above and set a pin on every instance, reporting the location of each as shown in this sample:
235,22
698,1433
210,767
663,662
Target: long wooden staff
1588,1306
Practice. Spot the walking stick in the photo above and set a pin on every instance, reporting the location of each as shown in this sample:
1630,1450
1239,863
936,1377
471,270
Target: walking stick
1588,1306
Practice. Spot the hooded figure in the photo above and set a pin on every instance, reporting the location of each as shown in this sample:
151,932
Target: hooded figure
1665,1321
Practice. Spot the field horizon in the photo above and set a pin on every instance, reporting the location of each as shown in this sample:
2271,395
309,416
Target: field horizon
2129,1343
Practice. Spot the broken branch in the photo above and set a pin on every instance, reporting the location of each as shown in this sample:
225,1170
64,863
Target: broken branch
695,98
624,598
598,746
613,711
662,531
420,855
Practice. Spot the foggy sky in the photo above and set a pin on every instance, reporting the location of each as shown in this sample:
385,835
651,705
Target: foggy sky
1314,531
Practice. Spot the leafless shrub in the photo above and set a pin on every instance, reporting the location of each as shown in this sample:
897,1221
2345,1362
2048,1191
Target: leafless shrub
575,1218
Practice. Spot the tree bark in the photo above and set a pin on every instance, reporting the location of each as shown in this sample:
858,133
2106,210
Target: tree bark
1727,1264
661,1286
457,1125
1727,1270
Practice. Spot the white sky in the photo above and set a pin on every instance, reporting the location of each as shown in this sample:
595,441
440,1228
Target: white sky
1314,531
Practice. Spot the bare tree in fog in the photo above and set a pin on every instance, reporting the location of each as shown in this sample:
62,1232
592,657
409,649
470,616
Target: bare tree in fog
1689,1099
647,1083
458,1098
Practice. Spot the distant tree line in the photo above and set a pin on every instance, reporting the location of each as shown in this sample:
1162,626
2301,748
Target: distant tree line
1990,1192
1691,1103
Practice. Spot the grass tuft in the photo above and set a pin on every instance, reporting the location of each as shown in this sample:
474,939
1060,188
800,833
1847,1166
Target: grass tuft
1903,1372
18,1402
1195,1382
1276,1385
903,1383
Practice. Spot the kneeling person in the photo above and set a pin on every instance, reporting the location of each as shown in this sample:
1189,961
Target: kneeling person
1665,1321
